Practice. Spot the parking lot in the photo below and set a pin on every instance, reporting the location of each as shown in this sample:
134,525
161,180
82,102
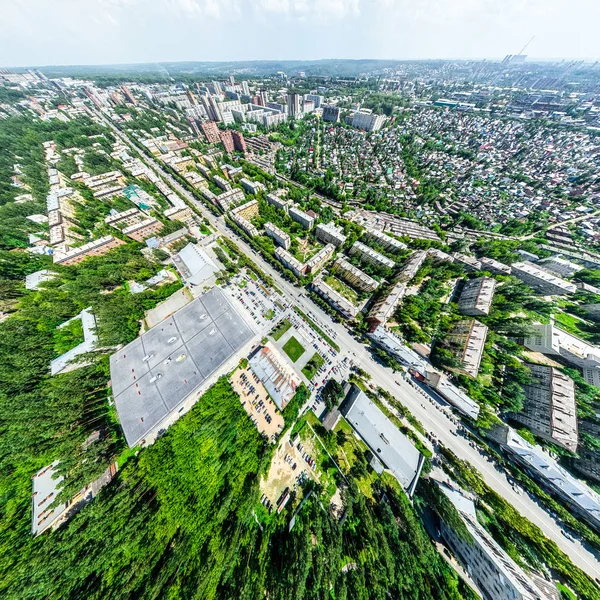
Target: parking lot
257,403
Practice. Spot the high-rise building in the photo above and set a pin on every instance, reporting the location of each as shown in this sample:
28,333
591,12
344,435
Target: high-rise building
318,100
293,105
211,131
232,80
331,113
227,141
128,95
239,142
217,87
245,88
367,121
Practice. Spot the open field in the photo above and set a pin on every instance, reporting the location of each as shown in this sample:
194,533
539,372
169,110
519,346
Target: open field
294,349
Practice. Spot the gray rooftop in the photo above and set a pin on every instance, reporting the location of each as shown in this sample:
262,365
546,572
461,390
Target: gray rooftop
45,489
194,265
207,332
384,439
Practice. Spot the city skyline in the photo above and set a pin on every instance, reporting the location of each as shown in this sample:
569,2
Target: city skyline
104,32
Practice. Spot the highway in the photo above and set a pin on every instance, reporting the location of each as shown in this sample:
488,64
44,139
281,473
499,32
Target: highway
428,413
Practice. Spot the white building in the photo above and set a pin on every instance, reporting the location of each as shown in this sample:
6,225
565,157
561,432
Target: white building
542,281
476,297
301,217
330,234
371,256
280,236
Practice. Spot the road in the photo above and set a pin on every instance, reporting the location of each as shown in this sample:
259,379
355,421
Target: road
428,413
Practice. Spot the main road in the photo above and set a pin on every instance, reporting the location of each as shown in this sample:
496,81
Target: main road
433,419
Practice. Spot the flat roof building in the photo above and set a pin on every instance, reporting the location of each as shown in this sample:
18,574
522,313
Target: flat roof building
476,297
124,218
227,199
144,229
153,375
278,202
353,275
330,234
470,263
385,240
247,210
371,256
194,265
177,213
542,281
453,394
467,339
246,225
493,266
384,439
560,266
320,258
550,410
301,217
98,247
335,299
281,237
252,186
399,350
290,262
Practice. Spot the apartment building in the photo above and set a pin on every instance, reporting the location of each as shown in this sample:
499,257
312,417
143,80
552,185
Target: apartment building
290,262
371,256
222,183
143,230
542,281
494,267
469,263
385,240
281,237
278,202
227,141
461,401
227,199
331,114
394,346
320,258
247,210
211,131
467,340
476,297
96,248
550,410
124,218
496,575
177,213
353,275
560,266
328,233
253,187
246,225
367,121
301,217
335,299
239,141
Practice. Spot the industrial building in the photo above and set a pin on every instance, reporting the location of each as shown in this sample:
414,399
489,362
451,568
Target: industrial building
194,265
467,340
301,217
476,297
387,444
353,275
335,299
153,375
371,256
542,281
550,410
330,234
281,237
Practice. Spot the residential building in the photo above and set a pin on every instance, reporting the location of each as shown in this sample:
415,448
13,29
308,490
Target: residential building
387,444
467,340
550,410
281,237
246,225
247,210
211,131
315,98
330,234
393,345
560,266
542,281
476,297
371,256
494,267
335,299
222,183
470,263
144,229
227,199
331,113
412,265
252,186
293,106
385,240
588,463
176,213
353,275
278,202
367,121
96,248
496,575
227,141
385,305
320,258
582,501
301,217
290,262
453,394
124,218
239,142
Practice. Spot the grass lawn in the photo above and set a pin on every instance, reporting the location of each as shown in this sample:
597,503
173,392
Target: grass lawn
243,283
281,328
67,337
341,288
269,314
313,365
252,275
294,349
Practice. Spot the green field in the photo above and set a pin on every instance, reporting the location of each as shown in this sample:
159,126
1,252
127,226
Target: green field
313,365
269,314
280,329
294,349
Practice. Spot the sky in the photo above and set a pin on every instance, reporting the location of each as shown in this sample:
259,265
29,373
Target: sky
76,32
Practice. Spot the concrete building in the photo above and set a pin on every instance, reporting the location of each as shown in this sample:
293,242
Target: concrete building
278,202
318,100
239,141
467,340
123,218
252,186
211,131
581,500
470,263
281,237
385,305
331,114
494,267
177,213
353,275
367,121
550,410
246,225
542,281
227,141
452,394
560,266
96,248
335,299
320,258
222,183
247,210
227,199
34,280
496,575
371,256
328,233
588,463
301,217
290,262
144,229
293,106
394,346
194,265
385,441
476,297
385,240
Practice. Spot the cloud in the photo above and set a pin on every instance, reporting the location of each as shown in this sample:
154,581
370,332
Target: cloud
308,9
